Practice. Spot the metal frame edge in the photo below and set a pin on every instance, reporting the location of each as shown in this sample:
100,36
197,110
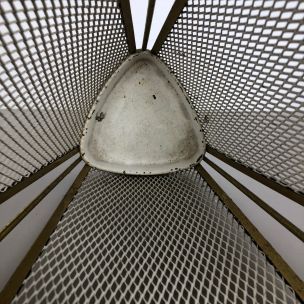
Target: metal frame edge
258,201
174,13
4,196
289,275
150,12
125,9
20,216
15,282
288,192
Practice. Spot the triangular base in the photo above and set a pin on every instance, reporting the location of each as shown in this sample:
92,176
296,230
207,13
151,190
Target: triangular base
142,122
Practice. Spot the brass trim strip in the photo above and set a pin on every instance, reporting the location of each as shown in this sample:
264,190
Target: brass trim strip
272,212
15,282
288,192
128,24
150,13
12,224
32,178
291,277
170,21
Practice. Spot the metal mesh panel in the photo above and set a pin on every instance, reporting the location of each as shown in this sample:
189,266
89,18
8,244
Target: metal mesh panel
241,62
54,59
162,239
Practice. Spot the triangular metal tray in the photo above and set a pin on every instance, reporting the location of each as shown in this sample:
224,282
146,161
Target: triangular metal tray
142,122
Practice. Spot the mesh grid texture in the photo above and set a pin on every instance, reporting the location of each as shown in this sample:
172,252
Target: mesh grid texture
161,239
55,57
241,62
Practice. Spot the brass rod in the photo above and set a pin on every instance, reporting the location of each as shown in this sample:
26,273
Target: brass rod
128,24
149,18
35,176
14,283
290,276
12,224
170,21
272,212
288,192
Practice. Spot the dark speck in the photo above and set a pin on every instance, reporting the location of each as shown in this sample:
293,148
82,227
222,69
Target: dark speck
154,96
100,117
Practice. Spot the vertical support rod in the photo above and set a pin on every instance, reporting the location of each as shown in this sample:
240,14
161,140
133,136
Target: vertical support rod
128,24
170,21
150,13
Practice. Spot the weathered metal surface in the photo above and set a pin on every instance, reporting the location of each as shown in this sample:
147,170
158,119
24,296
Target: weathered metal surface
142,122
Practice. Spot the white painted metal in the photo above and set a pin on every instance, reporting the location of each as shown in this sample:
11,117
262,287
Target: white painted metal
142,122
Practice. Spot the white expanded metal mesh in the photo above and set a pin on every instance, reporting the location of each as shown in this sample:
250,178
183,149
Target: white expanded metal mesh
242,64
161,239
55,56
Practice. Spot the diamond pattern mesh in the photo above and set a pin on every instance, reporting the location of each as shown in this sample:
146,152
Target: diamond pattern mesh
161,239
241,62
54,59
